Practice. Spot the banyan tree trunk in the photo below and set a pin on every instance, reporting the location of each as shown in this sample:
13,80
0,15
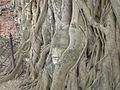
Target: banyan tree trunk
69,44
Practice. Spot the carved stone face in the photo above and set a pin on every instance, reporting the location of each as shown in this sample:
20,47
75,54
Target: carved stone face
56,54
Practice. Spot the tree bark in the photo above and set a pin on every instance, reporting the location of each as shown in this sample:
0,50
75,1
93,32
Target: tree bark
70,44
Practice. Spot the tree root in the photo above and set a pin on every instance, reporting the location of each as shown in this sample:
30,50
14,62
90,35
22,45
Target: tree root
14,72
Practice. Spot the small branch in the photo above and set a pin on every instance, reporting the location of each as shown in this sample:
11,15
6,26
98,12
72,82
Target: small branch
12,52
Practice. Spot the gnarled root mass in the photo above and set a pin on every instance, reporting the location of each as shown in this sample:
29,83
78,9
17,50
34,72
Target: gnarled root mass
69,44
